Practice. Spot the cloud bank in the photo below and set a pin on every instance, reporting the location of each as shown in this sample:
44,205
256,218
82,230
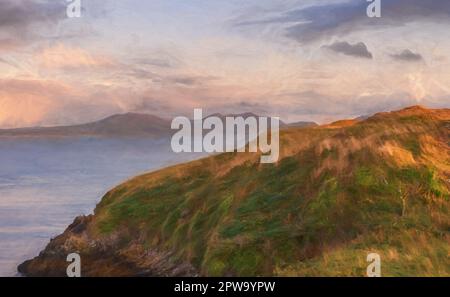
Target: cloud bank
315,22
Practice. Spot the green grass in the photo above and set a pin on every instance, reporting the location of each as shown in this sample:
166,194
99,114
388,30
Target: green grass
292,219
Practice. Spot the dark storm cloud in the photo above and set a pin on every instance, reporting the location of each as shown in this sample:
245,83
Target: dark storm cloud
18,17
356,50
407,56
316,22
19,14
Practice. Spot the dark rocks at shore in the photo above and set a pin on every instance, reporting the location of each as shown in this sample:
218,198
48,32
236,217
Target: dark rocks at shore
106,257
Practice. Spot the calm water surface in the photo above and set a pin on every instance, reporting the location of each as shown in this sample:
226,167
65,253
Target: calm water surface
45,184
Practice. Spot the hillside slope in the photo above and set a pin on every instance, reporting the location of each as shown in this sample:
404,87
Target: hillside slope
338,193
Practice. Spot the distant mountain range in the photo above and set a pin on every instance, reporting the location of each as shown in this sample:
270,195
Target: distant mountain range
129,124
121,125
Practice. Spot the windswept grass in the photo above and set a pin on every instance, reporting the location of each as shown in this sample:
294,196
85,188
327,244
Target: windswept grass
316,212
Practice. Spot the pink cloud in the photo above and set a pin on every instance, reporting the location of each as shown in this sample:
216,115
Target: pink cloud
61,56
26,102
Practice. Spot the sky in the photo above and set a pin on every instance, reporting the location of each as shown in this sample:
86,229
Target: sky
319,60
